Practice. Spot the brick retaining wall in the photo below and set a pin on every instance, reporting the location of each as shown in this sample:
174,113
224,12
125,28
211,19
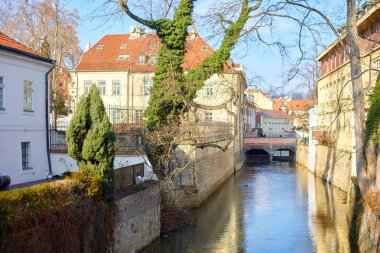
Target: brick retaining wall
138,220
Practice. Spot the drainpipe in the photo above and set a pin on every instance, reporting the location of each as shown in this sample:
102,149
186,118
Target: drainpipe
47,116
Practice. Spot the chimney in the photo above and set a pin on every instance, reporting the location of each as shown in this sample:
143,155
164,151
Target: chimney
136,32
87,46
193,33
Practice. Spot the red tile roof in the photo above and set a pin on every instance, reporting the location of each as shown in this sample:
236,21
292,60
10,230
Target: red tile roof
11,43
275,113
300,105
148,44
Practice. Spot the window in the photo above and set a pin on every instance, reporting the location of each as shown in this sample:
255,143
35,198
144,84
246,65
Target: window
204,48
123,57
116,87
154,59
116,116
100,47
28,91
102,87
374,28
25,155
87,87
1,92
141,59
208,116
377,65
209,90
123,46
147,85
139,115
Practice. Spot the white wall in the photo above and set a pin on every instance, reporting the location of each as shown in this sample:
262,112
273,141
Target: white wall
313,122
17,126
62,163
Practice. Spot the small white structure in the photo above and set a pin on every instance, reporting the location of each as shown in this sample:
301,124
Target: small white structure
248,113
23,112
274,123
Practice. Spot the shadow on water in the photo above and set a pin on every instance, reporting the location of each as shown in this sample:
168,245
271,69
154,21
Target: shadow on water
271,207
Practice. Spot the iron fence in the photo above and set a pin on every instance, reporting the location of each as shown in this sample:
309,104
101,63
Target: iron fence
127,124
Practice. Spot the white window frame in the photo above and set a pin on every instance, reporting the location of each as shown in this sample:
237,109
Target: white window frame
142,59
25,156
147,86
204,48
123,46
102,87
154,59
208,116
2,107
209,89
116,116
123,57
116,87
100,47
28,96
377,64
138,116
87,86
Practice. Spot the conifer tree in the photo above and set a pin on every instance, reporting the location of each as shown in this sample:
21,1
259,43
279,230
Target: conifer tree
91,141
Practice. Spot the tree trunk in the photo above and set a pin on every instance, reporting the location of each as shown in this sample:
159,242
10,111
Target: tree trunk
364,178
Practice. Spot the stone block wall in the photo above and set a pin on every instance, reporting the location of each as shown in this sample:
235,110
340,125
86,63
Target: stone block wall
209,169
137,220
302,155
334,166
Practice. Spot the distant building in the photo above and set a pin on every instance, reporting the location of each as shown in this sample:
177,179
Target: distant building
298,110
24,112
274,123
249,114
335,129
261,100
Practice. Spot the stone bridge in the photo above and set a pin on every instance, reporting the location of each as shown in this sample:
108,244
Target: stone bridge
268,149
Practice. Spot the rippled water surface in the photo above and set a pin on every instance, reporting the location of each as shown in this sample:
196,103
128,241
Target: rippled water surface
266,208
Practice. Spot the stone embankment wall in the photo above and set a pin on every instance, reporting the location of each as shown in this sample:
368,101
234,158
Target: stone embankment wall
302,155
331,164
208,170
137,220
334,166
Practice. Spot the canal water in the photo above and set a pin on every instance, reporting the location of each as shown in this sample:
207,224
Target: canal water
278,207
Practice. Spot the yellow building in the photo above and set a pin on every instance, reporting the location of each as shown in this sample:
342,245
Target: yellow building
261,99
335,135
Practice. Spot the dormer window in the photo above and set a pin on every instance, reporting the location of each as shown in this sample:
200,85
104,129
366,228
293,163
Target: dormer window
141,59
123,46
153,46
154,59
204,48
100,47
123,57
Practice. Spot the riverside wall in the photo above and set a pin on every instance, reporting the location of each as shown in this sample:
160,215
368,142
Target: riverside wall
207,170
329,163
137,222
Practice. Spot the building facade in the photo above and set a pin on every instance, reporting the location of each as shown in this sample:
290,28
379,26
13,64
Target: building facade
261,99
249,114
24,113
274,123
335,130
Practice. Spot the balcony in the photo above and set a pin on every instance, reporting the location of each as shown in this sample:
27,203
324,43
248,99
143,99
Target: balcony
322,134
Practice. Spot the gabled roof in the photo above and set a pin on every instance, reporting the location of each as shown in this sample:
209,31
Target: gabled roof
103,56
274,113
300,105
8,44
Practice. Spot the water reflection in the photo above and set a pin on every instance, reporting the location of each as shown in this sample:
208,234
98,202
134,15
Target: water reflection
266,208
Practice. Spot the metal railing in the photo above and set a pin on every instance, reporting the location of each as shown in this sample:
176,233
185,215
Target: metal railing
126,176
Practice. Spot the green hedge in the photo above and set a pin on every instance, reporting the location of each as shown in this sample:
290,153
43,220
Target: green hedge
68,215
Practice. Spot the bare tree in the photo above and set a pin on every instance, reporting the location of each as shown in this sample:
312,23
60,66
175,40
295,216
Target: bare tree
32,22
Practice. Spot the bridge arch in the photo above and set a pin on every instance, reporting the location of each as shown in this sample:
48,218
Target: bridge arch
284,154
257,155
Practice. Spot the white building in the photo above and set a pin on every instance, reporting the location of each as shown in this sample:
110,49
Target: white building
23,112
249,114
274,123
261,99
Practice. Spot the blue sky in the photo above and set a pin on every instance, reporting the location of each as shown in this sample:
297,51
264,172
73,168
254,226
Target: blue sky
258,60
